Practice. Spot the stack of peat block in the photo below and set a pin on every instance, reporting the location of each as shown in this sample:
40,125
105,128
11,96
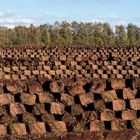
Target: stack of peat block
63,90
20,63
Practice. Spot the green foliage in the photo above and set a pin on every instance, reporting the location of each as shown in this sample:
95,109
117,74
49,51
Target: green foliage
65,34
133,33
120,35
74,33
45,34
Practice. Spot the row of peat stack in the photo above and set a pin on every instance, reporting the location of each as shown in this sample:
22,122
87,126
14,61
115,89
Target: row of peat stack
65,62
41,105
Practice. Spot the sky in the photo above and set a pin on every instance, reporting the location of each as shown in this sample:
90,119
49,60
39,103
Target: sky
26,12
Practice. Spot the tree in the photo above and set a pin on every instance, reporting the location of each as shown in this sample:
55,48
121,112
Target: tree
120,35
54,33
138,35
34,35
65,34
45,34
3,35
98,34
20,35
82,35
133,34
74,31
108,35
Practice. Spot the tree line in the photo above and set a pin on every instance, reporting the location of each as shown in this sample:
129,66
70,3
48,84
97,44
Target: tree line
74,33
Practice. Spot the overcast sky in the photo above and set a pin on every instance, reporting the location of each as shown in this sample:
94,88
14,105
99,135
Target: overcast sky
25,12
